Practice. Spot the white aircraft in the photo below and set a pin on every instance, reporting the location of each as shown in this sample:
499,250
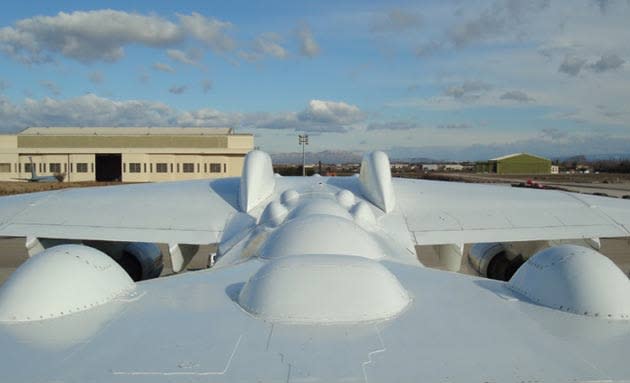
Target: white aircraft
316,279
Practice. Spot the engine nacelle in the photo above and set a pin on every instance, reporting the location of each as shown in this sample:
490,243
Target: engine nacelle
140,260
495,260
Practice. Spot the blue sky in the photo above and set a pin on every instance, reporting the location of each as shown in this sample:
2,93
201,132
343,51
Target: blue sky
459,80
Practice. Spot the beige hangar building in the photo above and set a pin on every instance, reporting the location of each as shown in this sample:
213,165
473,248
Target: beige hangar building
124,154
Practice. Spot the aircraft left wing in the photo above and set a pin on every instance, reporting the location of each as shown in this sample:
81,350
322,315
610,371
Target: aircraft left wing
191,212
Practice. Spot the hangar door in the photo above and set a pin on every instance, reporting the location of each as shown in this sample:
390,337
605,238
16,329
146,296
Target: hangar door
108,167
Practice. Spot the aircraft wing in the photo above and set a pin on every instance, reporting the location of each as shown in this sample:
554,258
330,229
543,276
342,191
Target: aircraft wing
444,212
190,212
188,328
196,212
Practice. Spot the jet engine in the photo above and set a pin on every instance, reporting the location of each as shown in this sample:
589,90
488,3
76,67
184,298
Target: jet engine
140,260
495,260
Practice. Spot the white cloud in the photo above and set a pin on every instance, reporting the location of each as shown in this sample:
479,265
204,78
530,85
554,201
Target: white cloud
467,90
163,67
308,45
85,36
208,117
190,57
331,112
607,62
92,110
212,32
516,95
572,65
269,44
87,110
500,20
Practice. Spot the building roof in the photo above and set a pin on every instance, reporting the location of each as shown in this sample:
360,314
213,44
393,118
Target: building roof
516,155
124,131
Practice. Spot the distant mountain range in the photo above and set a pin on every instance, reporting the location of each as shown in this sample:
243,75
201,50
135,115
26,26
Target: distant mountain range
411,155
326,157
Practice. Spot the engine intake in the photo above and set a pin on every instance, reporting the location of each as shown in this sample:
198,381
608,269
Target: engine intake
495,260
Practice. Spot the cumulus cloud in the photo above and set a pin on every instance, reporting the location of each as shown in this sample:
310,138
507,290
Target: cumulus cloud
330,112
396,20
319,117
177,89
572,65
212,32
467,90
269,44
87,110
308,45
163,67
454,126
516,95
393,125
96,77
85,36
208,117
190,57
495,21
607,62
92,110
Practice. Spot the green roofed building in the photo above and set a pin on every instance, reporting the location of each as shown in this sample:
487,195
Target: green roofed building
517,163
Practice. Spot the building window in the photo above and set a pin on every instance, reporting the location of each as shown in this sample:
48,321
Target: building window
65,168
177,168
144,167
92,167
151,168
171,168
5,168
205,168
55,167
27,168
197,168
215,168
134,167
161,168
188,168
82,167
224,168
124,167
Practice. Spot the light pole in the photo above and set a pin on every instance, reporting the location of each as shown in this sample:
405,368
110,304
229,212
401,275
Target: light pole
303,140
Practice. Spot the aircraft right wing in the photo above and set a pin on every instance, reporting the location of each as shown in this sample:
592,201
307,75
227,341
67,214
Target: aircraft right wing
448,212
